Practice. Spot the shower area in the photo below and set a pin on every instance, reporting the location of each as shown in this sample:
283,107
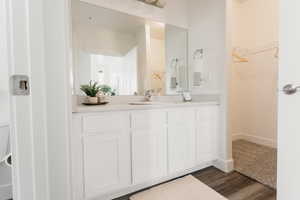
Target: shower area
253,88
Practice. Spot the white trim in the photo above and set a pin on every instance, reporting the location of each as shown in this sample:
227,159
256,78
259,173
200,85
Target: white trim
224,165
255,139
20,129
135,188
57,36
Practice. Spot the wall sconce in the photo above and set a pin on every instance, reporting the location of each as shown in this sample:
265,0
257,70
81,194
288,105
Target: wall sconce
157,3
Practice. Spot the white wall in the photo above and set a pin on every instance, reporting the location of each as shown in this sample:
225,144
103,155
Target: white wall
253,95
83,69
176,48
4,99
96,39
174,13
130,73
254,26
143,38
208,31
157,63
119,72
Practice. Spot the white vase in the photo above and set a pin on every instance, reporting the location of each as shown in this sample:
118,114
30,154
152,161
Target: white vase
93,100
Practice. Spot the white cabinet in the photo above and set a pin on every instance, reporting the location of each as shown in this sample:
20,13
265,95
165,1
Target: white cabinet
114,152
181,139
106,153
206,133
149,145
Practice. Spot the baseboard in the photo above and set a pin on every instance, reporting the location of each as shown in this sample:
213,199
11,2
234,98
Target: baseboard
138,187
255,139
224,165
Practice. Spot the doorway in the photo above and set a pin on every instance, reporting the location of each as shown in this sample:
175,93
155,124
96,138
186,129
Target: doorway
253,89
5,155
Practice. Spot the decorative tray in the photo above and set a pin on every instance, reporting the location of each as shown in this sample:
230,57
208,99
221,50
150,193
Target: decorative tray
95,104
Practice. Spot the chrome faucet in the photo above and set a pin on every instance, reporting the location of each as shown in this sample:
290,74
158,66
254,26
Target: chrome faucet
186,96
148,95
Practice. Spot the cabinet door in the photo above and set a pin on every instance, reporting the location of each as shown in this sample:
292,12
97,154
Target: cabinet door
149,145
207,127
181,139
107,164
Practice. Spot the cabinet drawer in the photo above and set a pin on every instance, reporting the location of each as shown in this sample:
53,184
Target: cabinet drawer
148,120
181,140
106,163
206,113
181,117
106,122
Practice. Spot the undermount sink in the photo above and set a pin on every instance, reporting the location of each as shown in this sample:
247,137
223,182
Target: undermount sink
146,103
157,103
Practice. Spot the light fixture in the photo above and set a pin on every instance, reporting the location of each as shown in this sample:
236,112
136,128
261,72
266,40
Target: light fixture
157,3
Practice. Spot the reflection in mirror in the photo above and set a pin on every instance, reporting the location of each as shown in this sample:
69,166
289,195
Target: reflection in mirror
177,59
127,53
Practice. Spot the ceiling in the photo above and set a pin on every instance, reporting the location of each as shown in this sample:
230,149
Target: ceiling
84,13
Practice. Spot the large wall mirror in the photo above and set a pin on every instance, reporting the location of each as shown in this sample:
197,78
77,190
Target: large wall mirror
129,54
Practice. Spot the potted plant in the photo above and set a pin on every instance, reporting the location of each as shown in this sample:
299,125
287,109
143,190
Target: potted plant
107,90
91,90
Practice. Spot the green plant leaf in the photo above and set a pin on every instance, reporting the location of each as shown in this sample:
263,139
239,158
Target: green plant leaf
91,89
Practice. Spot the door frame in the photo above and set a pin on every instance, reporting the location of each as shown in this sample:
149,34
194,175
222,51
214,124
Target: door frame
38,45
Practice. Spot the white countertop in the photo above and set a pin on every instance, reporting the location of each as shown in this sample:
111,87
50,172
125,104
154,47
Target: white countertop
127,107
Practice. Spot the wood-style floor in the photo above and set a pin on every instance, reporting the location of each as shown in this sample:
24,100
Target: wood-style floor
234,185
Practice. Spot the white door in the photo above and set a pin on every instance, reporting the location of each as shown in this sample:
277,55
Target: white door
106,162
23,130
289,105
149,145
181,139
206,134
106,152
36,46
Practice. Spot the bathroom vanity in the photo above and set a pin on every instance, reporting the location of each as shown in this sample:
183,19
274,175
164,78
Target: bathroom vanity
119,149
123,147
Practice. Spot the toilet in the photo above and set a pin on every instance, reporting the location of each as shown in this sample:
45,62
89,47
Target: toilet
5,164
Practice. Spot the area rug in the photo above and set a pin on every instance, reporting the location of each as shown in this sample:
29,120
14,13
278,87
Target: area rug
186,188
256,161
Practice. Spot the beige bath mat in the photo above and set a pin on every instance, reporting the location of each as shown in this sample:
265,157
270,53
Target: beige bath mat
187,188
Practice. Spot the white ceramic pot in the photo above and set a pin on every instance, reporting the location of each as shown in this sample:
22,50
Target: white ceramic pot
93,100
